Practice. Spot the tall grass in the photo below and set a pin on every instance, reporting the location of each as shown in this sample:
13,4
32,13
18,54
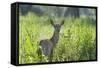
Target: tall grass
77,39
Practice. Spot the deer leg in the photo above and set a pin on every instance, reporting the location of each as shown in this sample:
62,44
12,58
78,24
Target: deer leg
39,52
51,56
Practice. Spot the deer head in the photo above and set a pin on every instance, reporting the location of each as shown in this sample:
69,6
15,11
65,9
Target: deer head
57,26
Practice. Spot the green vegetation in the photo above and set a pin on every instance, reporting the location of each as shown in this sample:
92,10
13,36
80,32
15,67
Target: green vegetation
77,39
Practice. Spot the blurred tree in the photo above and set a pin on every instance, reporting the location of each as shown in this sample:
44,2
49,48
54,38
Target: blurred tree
57,11
23,9
37,10
73,12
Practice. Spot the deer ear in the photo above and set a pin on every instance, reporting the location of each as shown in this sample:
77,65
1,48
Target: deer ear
62,22
51,21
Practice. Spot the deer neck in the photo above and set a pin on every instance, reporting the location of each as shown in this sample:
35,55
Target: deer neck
55,37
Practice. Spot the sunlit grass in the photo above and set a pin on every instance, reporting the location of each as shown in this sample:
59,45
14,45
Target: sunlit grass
77,39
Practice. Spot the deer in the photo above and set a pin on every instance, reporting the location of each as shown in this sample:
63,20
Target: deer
46,46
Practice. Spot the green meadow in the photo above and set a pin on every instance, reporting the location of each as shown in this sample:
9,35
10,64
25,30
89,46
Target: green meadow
77,40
